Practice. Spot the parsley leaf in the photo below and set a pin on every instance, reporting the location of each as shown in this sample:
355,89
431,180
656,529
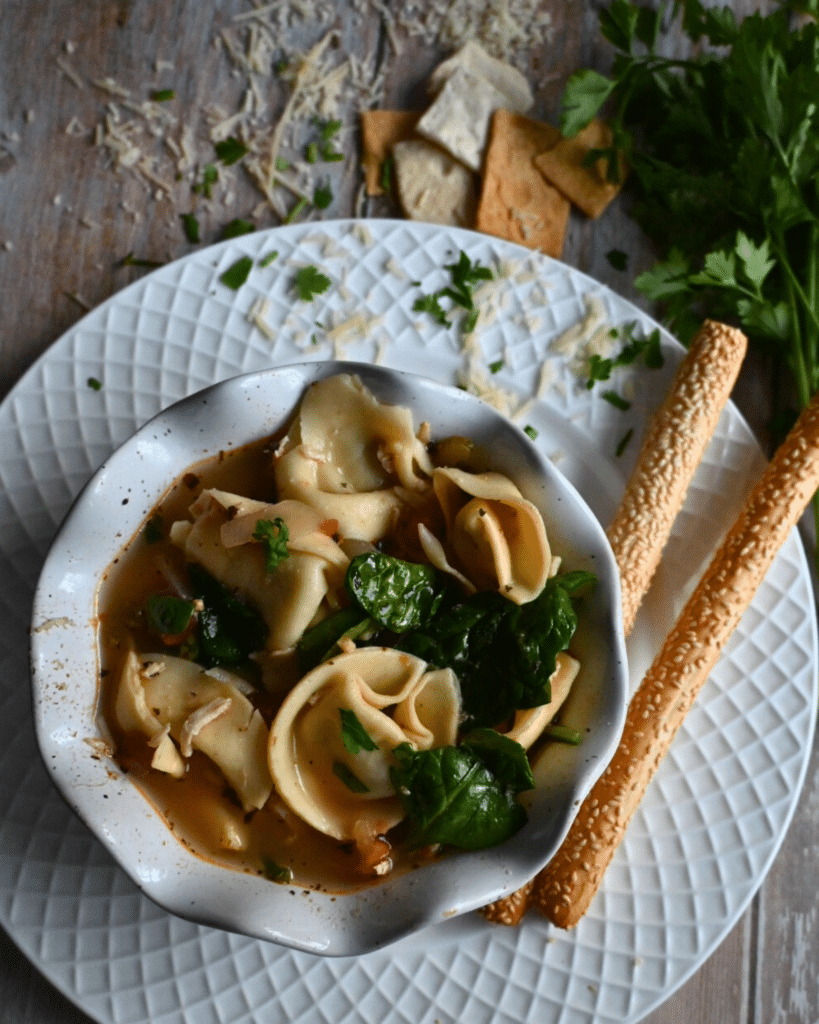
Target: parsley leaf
237,227
353,734
190,226
617,259
310,282
323,196
431,304
230,150
210,175
237,273
724,159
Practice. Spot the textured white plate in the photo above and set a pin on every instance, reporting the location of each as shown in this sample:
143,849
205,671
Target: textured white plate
714,816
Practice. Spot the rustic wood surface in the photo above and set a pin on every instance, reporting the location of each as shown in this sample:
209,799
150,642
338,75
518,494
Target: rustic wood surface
67,219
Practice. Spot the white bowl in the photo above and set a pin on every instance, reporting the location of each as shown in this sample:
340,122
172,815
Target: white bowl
65,669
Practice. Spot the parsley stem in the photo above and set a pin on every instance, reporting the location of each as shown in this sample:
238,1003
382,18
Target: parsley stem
805,384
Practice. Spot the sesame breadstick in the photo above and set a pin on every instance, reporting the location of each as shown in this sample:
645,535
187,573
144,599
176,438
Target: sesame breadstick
565,887
672,449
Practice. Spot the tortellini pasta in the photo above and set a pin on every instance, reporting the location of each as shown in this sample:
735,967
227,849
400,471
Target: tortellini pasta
309,581
496,535
348,455
200,712
396,699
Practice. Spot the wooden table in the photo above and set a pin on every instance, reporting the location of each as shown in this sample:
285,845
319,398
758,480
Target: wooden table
67,219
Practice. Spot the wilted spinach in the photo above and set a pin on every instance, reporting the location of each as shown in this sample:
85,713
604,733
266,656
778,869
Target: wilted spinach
228,631
399,595
464,796
503,653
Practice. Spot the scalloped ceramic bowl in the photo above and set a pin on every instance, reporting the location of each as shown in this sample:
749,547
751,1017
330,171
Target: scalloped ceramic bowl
111,509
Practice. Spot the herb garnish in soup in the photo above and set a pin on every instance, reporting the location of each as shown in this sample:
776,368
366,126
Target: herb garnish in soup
326,656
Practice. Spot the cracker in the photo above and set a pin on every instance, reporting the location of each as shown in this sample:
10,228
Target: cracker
505,78
460,116
587,187
380,130
432,186
516,202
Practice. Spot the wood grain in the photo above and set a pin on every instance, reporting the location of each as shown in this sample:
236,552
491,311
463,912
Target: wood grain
49,182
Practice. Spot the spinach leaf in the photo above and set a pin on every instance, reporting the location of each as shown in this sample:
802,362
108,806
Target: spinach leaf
463,796
504,654
168,615
228,631
399,595
320,642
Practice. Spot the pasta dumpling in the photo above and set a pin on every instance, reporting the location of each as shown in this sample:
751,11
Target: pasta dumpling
200,712
306,584
395,699
497,537
348,455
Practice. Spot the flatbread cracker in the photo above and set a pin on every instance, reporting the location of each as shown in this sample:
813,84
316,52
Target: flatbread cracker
517,203
506,79
587,187
432,186
380,130
460,116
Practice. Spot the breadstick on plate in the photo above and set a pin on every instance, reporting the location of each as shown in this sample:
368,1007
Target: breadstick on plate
673,447
566,886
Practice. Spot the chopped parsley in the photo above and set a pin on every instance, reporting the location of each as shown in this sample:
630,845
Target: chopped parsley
311,156
230,150
238,227
168,615
621,447
530,431
131,261
274,535
282,164
237,273
349,778
297,209
190,225
275,872
617,259
616,400
310,282
327,129
600,367
271,257
563,734
353,734
431,304
163,95
94,384
210,175
464,275
496,367
323,196
386,174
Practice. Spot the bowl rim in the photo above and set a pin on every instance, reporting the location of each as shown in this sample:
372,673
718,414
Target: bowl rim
186,883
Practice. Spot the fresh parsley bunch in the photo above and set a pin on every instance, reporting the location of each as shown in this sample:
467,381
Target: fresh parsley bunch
724,153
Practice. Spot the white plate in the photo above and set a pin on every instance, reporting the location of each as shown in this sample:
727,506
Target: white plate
714,816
